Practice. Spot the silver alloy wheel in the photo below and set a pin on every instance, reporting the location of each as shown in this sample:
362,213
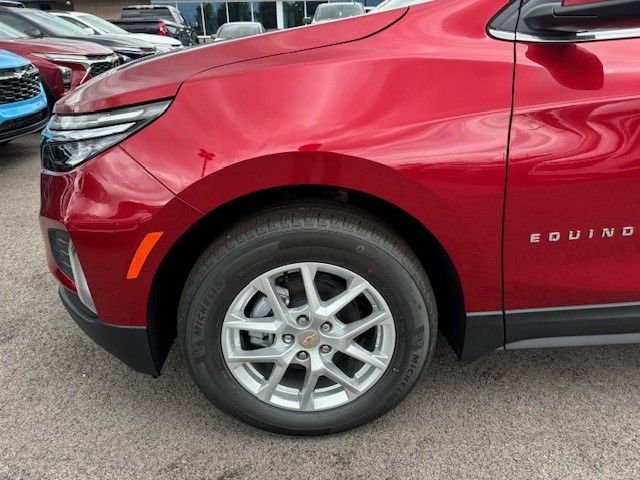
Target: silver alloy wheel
261,355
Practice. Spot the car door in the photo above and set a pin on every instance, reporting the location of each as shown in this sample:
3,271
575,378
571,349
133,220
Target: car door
572,223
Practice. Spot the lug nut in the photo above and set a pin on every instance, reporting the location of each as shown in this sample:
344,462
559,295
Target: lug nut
325,348
287,338
303,320
325,327
302,355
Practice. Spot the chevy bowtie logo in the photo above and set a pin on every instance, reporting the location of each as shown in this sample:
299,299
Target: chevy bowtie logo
583,234
18,74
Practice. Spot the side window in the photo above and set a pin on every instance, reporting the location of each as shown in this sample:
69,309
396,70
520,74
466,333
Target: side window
16,22
75,22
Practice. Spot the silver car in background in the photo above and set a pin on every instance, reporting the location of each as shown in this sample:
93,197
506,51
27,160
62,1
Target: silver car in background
234,30
95,25
327,12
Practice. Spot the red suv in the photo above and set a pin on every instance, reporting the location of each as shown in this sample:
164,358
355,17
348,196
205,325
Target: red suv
63,64
306,209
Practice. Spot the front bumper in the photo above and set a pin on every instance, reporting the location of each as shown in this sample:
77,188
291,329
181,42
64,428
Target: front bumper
107,206
129,344
21,118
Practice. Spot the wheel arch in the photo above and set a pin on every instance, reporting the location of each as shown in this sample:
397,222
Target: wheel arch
174,269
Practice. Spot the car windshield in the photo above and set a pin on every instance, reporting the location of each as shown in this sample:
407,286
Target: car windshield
238,31
53,24
102,25
8,33
328,11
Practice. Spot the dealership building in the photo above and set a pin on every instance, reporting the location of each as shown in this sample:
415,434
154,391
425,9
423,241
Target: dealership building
208,15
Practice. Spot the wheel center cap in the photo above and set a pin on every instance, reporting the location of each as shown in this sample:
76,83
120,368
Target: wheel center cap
309,339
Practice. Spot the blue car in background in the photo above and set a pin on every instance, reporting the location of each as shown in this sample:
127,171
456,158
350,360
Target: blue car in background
23,103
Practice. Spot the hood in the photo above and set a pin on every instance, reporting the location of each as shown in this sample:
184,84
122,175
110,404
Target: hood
160,77
155,39
11,60
54,45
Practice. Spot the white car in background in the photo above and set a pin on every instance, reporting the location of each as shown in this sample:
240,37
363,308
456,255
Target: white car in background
95,25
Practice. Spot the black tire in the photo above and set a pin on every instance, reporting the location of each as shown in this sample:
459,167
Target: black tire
307,231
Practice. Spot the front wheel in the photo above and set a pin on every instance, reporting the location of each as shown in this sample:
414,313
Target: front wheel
307,319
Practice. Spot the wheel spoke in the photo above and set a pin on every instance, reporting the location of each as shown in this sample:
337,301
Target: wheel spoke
360,353
308,386
353,329
337,303
308,272
338,376
239,322
266,390
271,354
264,285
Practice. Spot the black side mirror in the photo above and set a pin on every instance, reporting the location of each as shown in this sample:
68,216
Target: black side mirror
580,15
306,20
34,32
194,24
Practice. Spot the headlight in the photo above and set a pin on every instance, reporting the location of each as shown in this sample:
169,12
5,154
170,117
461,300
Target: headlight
83,60
67,76
69,140
62,57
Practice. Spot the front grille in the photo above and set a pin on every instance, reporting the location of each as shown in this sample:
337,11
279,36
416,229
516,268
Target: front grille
102,64
98,68
145,53
59,243
19,84
23,122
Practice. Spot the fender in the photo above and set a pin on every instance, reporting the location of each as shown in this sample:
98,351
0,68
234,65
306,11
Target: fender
442,162
327,169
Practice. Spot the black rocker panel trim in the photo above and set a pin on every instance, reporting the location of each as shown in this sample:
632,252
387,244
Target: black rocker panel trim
583,321
484,332
607,324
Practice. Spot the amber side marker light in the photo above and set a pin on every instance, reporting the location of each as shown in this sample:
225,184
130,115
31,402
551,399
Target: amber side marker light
143,251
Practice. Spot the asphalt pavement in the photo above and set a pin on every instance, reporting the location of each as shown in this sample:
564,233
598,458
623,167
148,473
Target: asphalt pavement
68,410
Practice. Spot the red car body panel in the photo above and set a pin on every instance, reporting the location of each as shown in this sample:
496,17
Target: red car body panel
49,72
454,189
28,47
415,106
108,206
574,166
331,129
163,75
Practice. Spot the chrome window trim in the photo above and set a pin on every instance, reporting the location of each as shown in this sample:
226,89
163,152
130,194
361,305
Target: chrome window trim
580,37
